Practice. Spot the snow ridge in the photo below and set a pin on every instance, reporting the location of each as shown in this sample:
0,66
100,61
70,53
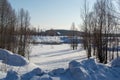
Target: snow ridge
84,70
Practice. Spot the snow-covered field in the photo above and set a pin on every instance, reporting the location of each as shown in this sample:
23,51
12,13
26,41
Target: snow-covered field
50,57
47,39
55,62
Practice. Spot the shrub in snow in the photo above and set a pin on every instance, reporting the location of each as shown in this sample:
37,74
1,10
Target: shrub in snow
12,75
57,71
116,62
46,77
35,72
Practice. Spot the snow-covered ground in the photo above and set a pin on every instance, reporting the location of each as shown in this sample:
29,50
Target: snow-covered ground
50,57
55,62
47,39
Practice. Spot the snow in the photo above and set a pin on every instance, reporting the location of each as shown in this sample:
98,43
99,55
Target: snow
89,64
56,62
90,70
47,39
12,75
35,78
2,75
10,58
53,39
57,71
79,74
73,64
55,56
34,72
14,64
76,71
46,77
116,62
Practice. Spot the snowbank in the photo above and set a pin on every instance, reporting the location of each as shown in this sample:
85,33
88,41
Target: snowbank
31,74
78,71
116,62
12,75
4,53
12,59
46,77
84,70
90,65
56,72
90,70
35,78
73,64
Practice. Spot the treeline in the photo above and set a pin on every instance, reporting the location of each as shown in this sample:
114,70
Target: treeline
100,26
14,29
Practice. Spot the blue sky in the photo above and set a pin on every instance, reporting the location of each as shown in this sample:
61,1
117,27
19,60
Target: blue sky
47,14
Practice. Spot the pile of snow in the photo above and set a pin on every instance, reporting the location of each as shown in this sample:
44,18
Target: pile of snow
12,59
90,70
46,77
12,75
74,64
84,70
78,70
56,72
31,74
116,62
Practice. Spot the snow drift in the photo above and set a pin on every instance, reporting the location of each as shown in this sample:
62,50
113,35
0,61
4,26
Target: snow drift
116,62
32,74
84,70
12,59
90,70
12,75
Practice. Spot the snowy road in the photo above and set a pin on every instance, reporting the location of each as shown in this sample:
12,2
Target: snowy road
50,57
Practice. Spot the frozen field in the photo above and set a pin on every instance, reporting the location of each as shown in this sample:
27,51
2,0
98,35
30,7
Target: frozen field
55,56
55,62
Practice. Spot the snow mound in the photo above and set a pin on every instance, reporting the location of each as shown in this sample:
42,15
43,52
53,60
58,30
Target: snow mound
73,64
89,64
31,74
46,77
84,70
77,71
116,62
4,53
12,59
35,78
12,75
58,71
90,70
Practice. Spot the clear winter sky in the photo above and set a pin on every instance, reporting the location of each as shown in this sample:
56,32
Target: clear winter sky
56,14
